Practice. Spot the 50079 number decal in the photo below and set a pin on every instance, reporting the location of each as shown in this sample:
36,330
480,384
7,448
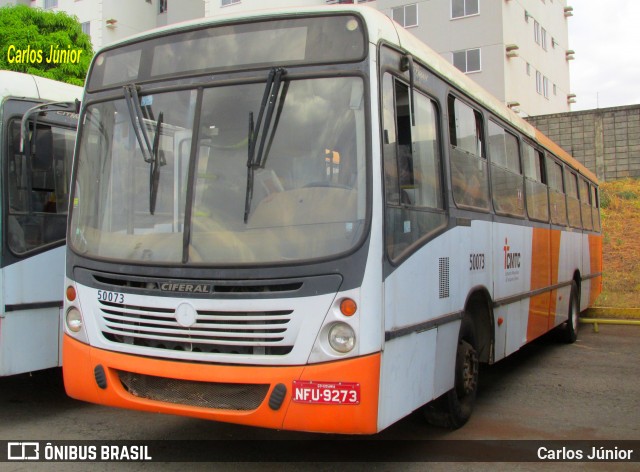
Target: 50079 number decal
476,261
113,297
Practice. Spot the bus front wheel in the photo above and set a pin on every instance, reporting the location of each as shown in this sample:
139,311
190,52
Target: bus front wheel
453,409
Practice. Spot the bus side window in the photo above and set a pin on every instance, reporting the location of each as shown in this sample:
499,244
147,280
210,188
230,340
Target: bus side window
557,198
469,175
573,202
38,190
595,209
585,204
506,176
535,183
412,168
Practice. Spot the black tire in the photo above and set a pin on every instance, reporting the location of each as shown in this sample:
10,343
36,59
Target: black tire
453,409
570,327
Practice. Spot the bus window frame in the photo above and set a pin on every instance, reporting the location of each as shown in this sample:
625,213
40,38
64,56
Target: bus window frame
482,158
584,205
397,75
541,160
500,167
12,111
595,207
560,165
569,174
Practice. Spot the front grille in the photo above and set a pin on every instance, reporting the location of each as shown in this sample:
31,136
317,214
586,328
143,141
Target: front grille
253,333
221,396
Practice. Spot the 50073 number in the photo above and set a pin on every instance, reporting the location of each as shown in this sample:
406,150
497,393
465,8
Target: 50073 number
112,297
476,261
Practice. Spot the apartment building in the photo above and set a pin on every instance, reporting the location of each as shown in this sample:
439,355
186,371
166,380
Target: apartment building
107,21
516,49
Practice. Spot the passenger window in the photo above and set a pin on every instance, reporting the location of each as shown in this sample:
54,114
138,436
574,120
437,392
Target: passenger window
557,200
537,195
412,168
585,205
469,175
595,209
573,202
506,177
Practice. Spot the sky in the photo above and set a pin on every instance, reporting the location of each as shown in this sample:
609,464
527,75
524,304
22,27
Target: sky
605,34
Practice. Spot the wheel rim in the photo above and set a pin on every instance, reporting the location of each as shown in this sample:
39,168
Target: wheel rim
469,371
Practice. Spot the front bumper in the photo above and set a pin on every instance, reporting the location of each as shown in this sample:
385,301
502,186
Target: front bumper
85,367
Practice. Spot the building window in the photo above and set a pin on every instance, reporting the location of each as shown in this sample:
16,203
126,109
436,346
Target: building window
538,82
543,38
545,87
406,15
536,31
468,60
48,4
86,28
163,6
555,89
229,2
528,69
461,8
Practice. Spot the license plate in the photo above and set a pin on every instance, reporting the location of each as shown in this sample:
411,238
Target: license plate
326,393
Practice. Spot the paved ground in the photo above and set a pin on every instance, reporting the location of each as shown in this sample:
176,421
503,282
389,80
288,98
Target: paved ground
551,391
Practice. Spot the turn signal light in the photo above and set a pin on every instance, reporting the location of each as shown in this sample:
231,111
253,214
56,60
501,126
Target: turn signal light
71,293
348,307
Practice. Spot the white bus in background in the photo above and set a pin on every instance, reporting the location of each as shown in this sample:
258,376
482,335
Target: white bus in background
306,219
38,123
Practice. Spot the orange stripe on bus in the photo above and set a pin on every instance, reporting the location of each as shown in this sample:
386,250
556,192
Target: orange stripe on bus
545,262
538,322
80,360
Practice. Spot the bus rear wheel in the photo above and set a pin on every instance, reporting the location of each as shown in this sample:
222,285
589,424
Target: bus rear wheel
570,328
453,409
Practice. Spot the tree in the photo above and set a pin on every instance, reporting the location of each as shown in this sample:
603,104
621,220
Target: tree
45,43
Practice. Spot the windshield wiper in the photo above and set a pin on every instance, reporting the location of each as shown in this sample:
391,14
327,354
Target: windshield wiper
154,170
257,160
150,153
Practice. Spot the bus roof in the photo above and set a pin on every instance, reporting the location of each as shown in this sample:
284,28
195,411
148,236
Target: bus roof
381,28
17,84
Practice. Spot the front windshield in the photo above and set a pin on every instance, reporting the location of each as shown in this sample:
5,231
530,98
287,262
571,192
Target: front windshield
133,199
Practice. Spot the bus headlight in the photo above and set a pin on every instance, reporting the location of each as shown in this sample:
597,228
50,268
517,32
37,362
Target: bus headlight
74,320
342,337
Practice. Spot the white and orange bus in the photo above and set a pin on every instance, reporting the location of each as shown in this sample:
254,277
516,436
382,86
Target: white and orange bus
38,124
308,220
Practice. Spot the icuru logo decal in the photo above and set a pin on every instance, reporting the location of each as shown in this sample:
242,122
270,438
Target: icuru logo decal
511,262
511,259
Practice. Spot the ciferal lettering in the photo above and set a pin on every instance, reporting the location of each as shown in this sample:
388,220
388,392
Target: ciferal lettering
185,287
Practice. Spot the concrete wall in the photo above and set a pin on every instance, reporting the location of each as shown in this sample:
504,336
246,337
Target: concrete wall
606,140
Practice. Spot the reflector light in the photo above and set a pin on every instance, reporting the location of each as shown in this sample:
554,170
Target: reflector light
71,293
